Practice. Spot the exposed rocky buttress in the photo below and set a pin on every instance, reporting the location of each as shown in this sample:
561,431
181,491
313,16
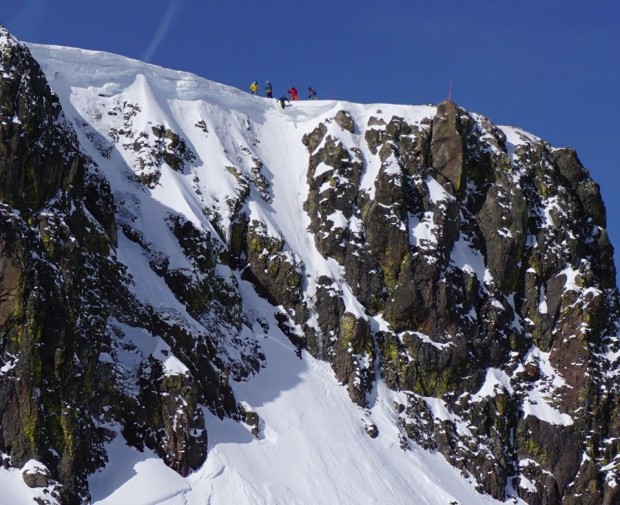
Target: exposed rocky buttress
67,313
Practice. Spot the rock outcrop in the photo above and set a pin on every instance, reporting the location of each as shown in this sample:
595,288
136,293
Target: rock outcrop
491,264
67,311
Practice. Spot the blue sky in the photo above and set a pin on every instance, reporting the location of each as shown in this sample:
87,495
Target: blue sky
548,66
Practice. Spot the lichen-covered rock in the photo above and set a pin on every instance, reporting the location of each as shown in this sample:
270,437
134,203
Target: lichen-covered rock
174,422
352,356
447,147
333,177
275,270
56,263
30,115
49,339
489,265
68,315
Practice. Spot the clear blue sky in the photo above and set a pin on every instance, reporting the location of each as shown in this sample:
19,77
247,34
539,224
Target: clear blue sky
551,67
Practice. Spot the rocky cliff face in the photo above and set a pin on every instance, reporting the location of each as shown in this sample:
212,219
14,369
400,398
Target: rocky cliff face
470,271
487,346
520,351
67,311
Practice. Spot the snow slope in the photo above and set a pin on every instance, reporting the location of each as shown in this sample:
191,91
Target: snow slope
312,447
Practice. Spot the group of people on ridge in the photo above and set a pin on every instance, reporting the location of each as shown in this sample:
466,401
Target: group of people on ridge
293,92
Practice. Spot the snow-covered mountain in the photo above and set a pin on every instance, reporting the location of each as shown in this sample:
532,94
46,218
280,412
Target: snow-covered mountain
207,299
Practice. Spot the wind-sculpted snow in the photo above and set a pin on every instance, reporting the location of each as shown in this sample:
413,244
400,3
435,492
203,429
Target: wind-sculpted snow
339,303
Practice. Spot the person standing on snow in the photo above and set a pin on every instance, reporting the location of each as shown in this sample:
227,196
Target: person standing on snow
293,93
254,88
268,89
311,93
283,99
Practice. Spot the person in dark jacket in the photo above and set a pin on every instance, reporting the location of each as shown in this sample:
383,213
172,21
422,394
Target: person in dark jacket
283,99
311,93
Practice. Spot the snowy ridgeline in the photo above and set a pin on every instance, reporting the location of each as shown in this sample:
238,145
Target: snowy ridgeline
172,143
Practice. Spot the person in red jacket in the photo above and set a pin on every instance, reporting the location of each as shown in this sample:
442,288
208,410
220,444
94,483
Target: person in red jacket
293,93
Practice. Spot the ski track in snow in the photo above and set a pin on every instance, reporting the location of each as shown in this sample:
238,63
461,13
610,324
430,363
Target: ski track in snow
312,447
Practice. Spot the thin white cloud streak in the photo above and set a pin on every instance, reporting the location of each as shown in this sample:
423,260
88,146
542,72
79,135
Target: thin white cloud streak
162,29
30,18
